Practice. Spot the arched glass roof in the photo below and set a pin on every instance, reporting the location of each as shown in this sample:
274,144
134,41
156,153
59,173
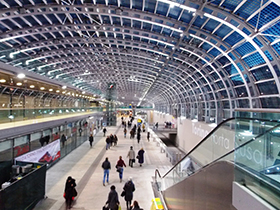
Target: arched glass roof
202,58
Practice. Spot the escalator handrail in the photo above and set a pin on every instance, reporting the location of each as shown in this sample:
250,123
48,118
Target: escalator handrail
211,132
157,172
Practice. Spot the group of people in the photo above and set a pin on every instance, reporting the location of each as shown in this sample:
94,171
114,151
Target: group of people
113,202
111,140
131,156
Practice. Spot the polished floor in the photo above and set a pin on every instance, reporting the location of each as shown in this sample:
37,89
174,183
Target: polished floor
84,164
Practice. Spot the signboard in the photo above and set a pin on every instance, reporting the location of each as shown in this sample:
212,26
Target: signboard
46,154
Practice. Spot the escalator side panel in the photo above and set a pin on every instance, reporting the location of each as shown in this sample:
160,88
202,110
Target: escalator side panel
208,189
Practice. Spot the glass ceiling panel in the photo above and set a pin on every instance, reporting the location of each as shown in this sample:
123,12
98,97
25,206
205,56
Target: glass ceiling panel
249,7
175,12
267,88
269,13
254,60
137,4
262,73
150,5
162,8
233,38
222,31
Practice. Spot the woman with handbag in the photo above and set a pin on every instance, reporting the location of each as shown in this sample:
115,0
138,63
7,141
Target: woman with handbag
119,166
70,191
128,188
113,200
140,156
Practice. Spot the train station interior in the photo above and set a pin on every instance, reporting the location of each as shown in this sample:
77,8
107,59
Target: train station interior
198,79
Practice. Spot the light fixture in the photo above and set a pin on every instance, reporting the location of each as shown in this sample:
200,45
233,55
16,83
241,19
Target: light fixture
50,89
64,87
2,80
32,86
21,75
42,88
19,84
57,91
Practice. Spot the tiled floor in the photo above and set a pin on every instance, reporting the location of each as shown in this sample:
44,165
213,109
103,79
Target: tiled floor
84,164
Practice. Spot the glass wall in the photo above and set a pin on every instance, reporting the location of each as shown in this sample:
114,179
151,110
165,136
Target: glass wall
69,136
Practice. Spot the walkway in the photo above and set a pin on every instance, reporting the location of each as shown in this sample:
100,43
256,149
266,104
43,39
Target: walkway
84,164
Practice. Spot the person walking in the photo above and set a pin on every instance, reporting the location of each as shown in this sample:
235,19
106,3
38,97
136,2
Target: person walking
119,166
104,131
115,140
138,137
90,140
113,200
106,165
148,136
108,142
135,206
124,132
70,191
141,156
131,156
129,188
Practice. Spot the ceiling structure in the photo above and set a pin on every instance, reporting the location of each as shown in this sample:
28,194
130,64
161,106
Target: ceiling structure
203,58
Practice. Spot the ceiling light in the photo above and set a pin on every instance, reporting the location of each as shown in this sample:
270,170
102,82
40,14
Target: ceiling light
50,89
32,86
57,91
21,75
83,92
64,87
42,88
2,80
19,84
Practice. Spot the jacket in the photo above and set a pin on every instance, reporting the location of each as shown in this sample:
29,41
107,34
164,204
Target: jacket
129,188
131,154
113,199
106,165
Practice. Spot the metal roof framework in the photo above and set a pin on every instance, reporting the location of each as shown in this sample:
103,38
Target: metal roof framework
212,56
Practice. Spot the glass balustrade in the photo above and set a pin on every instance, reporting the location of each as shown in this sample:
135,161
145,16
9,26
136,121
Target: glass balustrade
252,145
13,115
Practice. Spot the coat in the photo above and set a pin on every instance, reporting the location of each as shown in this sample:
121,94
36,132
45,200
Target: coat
129,188
131,154
141,156
113,199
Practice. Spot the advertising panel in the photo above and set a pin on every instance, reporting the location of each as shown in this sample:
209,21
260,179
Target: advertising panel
46,154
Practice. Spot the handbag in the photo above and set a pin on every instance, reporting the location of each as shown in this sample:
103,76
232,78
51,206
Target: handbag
119,169
137,156
105,208
123,193
75,193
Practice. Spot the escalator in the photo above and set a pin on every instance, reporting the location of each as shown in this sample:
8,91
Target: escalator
239,152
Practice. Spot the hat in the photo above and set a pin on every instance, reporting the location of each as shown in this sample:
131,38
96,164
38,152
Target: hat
130,179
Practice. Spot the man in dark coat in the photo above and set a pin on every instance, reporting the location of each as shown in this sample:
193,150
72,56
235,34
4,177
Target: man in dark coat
90,140
113,200
129,188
